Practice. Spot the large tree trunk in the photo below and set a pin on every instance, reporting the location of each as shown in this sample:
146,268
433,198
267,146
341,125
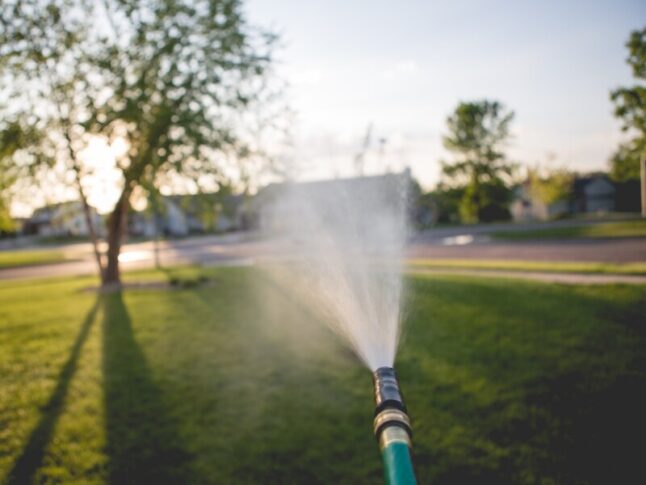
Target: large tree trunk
116,226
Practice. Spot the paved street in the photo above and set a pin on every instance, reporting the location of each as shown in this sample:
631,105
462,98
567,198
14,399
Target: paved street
445,243
208,250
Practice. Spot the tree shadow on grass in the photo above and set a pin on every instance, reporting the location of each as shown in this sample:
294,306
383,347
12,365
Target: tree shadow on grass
143,443
31,458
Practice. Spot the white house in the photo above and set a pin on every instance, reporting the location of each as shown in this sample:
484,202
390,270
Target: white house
62,219
269,208
525,206
180,215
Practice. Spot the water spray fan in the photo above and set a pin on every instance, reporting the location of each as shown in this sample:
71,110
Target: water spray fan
392,428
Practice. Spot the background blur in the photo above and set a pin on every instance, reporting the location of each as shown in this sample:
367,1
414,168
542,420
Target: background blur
141,145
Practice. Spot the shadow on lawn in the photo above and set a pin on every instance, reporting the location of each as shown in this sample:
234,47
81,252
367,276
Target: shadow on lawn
30,460
142,439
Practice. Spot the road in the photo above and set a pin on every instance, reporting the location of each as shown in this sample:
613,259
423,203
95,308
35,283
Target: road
233,249
247,248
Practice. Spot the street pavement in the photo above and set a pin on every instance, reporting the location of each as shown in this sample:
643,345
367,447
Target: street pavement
249,248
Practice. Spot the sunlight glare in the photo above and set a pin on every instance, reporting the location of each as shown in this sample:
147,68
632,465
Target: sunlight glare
103,182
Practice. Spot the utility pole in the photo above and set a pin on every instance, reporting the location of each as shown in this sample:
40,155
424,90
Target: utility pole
359,158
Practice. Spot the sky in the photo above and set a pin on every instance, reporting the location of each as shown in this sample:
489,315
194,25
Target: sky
402,67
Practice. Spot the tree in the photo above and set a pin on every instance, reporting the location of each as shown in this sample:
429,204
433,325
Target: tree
13,138
6,181
551,186
624,163
630,106
477,133
6,222
447,198
173,81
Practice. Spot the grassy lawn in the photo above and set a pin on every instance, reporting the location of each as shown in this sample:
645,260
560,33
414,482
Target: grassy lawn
519,265
234,382
636,228
15,259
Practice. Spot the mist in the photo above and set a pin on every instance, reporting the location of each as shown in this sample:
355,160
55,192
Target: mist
343,242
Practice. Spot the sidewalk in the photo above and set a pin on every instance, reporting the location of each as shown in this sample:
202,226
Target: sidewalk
564,278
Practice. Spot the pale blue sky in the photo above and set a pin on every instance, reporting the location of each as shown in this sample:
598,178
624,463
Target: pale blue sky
404,66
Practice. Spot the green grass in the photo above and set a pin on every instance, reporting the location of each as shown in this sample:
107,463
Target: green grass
520,265
234,382
15,259
636,228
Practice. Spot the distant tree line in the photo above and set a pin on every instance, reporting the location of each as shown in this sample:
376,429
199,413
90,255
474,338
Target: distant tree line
476,183
172,78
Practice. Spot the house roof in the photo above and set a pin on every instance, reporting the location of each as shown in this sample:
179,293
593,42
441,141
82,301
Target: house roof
581,182
195,202
54,206
271,191
46,212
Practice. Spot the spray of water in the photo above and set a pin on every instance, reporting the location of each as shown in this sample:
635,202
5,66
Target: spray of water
344,240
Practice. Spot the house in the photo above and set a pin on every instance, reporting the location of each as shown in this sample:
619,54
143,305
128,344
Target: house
62,219
594,193
180,215
269,209
526,206
142,224
210,212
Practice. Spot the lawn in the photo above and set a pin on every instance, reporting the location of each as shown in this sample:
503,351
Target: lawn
15,259
635,228
234,382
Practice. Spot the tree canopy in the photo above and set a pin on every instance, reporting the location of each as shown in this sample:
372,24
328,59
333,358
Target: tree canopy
13,138
630,107
175,83
551,186
477,132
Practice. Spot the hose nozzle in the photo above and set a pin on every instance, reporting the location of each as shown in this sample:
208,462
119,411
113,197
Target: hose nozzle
392,428
387,392
390,409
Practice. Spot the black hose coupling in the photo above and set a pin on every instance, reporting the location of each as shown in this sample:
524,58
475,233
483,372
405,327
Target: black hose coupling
390,409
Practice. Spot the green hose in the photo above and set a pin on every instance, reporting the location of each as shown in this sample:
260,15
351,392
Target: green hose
392,428
398,466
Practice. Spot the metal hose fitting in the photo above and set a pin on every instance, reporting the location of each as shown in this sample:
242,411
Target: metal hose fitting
392,428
